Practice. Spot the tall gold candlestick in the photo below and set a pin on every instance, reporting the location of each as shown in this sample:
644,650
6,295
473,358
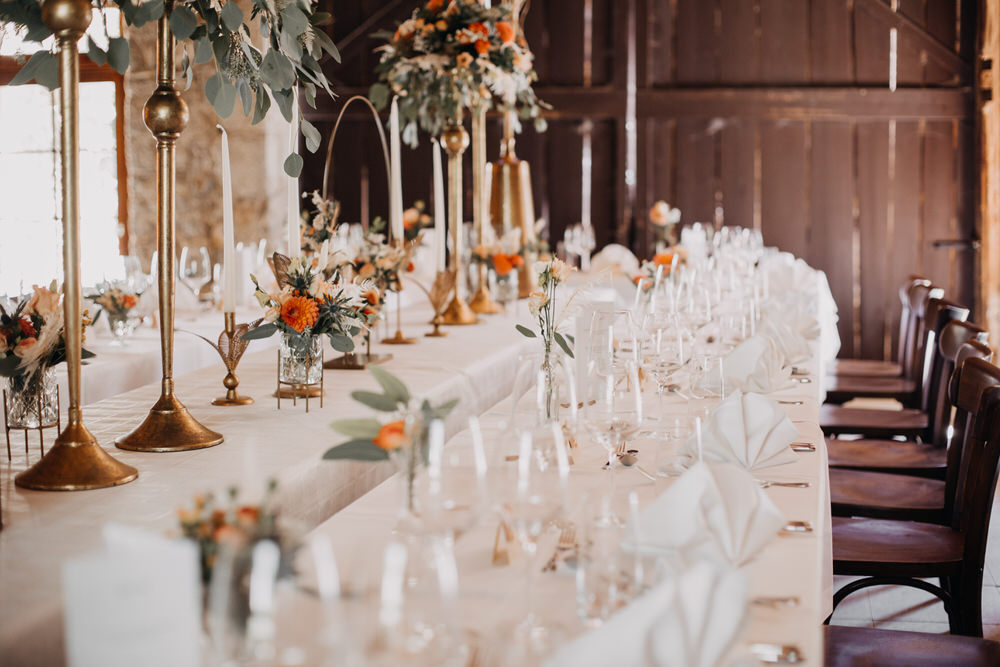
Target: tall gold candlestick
481,301
455,140
76,462
169,427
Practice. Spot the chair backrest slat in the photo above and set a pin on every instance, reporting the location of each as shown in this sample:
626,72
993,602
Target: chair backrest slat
932,378
907,324
920,296
971,349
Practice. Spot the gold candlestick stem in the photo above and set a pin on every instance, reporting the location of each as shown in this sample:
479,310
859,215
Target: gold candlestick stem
481,301
169,427
455,140
76,462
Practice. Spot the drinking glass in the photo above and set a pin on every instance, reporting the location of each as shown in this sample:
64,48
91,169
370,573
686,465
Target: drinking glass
452,492
195,269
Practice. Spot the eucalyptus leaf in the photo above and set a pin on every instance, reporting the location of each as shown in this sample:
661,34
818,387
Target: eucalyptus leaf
293,166
358,428
324,41
27,72
357,450
118,54
261,104
182,21
379,95
341,343
47,73
312,135
393,386
443,410
246,97
232,16
291,48
202,50
283,98
293,21
98,55
276,71
309,90
147,12
379,402
563,344
221,94
525,331
260,332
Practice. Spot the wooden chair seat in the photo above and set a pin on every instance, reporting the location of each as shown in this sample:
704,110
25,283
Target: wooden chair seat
865,368
867,647
838,420
892,456
883,547
885,496
844,388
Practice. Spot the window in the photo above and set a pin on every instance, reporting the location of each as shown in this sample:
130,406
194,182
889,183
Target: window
30,195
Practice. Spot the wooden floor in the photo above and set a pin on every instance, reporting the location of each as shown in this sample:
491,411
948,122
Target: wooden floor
902,608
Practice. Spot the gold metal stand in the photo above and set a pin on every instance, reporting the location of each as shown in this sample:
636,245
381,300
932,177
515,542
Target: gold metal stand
512,204
399,338
40,428
455,140
235,346
436,332
295,390
481,301
76,462
169,427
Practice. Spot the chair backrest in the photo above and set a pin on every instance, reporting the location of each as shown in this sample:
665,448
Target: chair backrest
907,329
931,379
972,349
954,335
920,298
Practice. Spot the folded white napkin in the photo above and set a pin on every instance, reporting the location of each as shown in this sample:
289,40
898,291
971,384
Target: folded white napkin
617,258
791,344
796,309
755,365
688,621
749,430
715,512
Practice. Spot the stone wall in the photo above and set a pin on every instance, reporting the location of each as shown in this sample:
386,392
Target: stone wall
256,154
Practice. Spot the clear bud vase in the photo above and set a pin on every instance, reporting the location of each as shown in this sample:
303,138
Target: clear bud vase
32,400
301,359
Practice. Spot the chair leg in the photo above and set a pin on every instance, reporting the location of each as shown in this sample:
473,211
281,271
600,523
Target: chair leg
968,603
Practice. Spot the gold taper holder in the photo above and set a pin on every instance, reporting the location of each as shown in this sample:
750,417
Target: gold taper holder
481,301
169,427
232,340
399,338
76,462
436,331
512,204
455,140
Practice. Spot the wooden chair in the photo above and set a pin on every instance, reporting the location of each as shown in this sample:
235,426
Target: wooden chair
912,423
903,386
912,458
893,496
867,647
907,552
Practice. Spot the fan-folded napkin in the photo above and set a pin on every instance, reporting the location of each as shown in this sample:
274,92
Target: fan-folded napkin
755,365
792,345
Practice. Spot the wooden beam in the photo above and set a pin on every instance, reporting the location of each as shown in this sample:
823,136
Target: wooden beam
987,306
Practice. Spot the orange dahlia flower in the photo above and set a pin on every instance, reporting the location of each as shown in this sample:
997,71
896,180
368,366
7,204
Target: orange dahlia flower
392,436
480,28
663,258
505,31
435,5
516,260
300,312
502,264
482,46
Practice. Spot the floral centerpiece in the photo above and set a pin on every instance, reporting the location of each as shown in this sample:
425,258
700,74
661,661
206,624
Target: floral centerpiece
31,343
217,33
379,264
661,264
415,220
664,218
321,226
449,55
403,438
542,305
118,304
306,307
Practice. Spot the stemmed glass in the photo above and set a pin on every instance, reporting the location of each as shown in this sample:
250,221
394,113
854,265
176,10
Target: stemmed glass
195,269
452,495
667,354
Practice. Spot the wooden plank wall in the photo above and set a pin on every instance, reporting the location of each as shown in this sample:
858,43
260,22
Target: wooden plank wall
774,114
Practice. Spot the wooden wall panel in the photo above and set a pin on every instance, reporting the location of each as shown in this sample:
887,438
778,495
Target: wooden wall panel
872,187
871,47
737,171
904,197
784,41
697,45
740,57
830,54
939,200
695,170
660,47
783,185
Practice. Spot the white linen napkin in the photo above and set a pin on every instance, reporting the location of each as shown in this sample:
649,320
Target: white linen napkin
748,430
791,344
755,365
796,309
715,512
688,621
615,257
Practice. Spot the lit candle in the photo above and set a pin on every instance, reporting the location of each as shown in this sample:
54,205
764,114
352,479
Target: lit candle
294,243
440,242
395,177
228,243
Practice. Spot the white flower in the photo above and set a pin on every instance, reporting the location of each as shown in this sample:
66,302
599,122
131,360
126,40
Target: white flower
560,270
272,314
352,292
536,301
539,267
262,298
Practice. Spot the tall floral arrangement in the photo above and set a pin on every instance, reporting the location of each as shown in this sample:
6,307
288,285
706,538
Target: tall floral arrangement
664,219
321,225
415,220
449,55
376,262
503,255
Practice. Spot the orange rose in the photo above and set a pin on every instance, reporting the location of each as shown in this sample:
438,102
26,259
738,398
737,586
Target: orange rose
482,46
299,312
506,32
517,261
247,515
502,264
410,267
128,301
663,258
411,218
392,436
371,296
479,28
435,5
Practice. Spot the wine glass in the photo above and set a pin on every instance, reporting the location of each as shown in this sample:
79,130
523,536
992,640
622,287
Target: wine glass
664,358
452,494
195,269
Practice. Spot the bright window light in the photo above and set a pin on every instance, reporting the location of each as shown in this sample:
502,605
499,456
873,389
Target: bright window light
12,42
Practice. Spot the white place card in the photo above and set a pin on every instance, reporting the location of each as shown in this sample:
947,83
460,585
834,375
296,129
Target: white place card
137,603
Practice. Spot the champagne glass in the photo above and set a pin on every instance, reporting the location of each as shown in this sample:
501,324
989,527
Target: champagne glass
452,495
195,269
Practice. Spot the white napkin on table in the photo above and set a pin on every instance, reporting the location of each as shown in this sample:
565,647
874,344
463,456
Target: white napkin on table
715,512
688,621
796,309
748,430
792,345
616,257
755,365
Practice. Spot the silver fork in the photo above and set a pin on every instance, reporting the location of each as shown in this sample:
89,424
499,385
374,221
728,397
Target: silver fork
567,541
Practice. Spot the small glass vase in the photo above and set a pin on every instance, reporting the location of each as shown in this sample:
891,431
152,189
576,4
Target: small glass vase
545,389
32,400
301,357
122,325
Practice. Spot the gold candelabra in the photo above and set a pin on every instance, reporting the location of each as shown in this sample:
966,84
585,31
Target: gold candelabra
481,301
455,140
169,427
76,462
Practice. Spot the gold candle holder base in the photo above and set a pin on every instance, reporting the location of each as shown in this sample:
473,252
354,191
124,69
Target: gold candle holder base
232,397
356,362
399,339
169,427
458,313
437,322
75,463
483,303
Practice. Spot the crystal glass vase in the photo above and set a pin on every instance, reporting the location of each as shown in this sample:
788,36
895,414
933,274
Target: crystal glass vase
122,325
301,358
32,400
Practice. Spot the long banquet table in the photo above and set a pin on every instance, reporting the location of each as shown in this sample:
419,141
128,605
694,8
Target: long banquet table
346,500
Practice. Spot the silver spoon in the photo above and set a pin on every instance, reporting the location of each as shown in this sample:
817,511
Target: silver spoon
767,483
797,527
774,602
790,402
803,447
630,460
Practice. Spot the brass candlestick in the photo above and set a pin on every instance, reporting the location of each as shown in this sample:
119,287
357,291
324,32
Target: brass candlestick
481,301
231,347
169,427
76,462
399,338
455,140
